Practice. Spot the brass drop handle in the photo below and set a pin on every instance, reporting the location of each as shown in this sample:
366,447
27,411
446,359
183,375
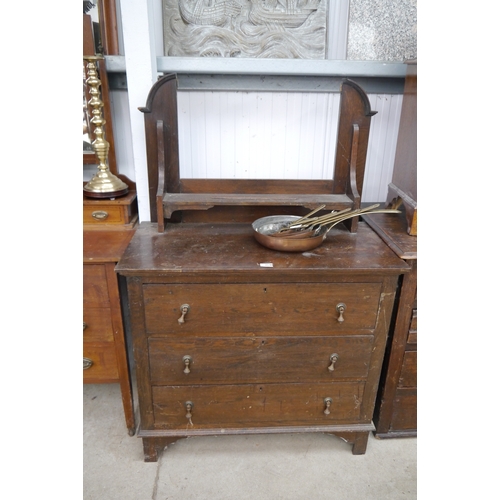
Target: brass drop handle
189,406
328,404
100,215
184,310
87,363
333,358
341,310
187,360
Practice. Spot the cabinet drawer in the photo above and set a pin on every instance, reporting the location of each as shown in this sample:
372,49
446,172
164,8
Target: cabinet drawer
256,405
97,324
404,415
408,377
258,359
104,365
107,214
270,309
95,286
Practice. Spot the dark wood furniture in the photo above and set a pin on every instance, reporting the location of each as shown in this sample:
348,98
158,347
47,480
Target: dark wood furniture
403,188
233,338
169,193
226,344
396,408
107,230
108,226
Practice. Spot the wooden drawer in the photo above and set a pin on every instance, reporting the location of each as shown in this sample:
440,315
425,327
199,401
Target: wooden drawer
404,410
104,365
95,286
408,377
240,406
258,359
97,324
270,308
107,214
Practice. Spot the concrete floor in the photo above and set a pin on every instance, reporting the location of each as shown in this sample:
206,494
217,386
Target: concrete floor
274,467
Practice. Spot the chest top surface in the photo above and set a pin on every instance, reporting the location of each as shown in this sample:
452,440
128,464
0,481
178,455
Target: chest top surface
222,248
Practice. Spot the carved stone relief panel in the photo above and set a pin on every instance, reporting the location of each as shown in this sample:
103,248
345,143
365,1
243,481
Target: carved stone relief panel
294,29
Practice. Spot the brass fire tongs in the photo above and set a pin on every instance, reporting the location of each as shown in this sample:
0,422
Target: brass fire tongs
308,227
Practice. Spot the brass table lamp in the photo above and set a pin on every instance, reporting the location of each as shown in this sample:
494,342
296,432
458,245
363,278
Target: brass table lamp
104,184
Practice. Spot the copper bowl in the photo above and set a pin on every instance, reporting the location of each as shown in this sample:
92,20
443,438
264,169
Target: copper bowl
264,228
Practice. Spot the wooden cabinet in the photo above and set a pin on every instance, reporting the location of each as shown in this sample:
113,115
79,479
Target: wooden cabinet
104,344
232,338
396,408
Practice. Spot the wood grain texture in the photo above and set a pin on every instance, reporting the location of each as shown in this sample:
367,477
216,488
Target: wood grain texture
265,308
164,173
258,359
396,409
259,338
256,405
104,335
194,252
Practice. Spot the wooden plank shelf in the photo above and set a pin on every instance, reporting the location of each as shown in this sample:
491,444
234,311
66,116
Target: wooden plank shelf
205,201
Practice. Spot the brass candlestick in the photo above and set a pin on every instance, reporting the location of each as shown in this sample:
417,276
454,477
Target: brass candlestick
104,184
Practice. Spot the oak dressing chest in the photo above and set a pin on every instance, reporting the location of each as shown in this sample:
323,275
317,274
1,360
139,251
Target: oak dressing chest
230,337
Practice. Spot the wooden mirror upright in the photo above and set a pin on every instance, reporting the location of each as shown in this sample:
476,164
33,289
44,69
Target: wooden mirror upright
173,198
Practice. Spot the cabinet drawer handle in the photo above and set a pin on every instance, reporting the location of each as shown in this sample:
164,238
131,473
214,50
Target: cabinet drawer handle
333,358
100,215
328,404
184,310
187,360
85,325
341,310
87,363
189,407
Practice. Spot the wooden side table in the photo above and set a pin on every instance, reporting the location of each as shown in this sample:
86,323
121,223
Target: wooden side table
396,406
104,345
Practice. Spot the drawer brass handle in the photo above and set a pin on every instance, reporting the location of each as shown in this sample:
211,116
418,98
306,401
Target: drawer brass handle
87,363
189,407
184,310
328,403
341,310
100,215
333,358
187,360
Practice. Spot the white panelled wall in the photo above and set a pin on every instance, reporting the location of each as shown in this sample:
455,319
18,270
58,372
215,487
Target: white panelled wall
279,135
381,145
237,134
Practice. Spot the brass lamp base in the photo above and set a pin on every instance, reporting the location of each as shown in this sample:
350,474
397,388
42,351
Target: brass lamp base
104,184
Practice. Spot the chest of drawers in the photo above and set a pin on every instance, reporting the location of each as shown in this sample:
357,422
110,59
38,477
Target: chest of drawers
232,338
105,357
396,406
